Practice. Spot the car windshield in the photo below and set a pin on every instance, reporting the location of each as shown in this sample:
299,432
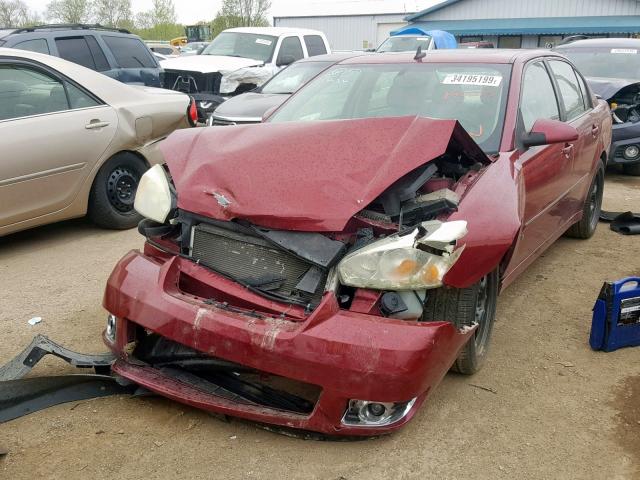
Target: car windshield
609,62
245,45
193,47
292,78
405,44
473,94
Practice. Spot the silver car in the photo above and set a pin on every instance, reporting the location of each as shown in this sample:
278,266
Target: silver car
76,142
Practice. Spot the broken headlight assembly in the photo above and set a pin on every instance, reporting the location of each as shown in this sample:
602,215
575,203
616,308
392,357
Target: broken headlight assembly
155,198
413,260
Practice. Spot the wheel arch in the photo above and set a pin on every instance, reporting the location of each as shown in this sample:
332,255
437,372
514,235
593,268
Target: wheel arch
80,204
493,208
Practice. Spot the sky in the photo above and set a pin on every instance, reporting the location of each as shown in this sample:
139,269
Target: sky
191,11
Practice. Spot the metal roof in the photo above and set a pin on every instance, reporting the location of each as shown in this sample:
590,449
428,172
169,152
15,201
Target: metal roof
432,9
535,26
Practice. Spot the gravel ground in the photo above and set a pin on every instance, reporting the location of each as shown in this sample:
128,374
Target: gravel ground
549,407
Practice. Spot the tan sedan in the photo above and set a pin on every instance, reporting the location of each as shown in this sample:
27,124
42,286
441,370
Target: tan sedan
76,142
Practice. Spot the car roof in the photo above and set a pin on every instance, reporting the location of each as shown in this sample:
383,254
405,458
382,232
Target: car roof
275,31
601,42
487,55
61,27
332,57
5,32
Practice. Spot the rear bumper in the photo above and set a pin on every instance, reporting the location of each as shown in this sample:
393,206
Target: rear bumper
348,355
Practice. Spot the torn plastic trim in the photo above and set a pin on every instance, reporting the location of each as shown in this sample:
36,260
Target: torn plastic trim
40,346
29,395
313,247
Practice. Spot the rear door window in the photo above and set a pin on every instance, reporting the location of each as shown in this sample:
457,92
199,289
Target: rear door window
291,47
315,45
569,89
130,52
38,45
538,98
84,51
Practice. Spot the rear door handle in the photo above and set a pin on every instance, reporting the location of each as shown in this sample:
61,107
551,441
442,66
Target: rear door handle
566,151
95,124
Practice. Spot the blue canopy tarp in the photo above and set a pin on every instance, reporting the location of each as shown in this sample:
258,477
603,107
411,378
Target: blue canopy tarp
441,38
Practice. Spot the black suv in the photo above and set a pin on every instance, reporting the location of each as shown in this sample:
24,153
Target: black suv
114,52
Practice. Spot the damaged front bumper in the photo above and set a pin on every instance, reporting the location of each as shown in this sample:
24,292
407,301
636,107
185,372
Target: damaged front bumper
342,360
625,136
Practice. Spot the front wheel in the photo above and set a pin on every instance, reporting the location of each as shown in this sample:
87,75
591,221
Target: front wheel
586,227
466,307
114,190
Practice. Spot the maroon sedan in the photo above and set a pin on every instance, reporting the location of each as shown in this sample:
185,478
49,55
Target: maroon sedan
324,270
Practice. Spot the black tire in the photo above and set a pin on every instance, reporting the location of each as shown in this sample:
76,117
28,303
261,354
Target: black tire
113,192
633,169
586,227
464,307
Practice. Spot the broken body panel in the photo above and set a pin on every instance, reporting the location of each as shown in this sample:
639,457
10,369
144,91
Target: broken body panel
248,192
624,98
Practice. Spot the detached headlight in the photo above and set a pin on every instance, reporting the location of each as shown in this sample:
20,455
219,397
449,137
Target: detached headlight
413,261
227,86
154,199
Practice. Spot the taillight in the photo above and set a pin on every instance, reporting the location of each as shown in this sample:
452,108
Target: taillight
192,113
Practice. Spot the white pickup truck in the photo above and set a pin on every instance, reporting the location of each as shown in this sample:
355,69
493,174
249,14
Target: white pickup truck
239,60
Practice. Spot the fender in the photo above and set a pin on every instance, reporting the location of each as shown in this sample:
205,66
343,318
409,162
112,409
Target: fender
492,229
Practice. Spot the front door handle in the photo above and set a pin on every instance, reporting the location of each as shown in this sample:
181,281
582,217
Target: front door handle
566,151
95,124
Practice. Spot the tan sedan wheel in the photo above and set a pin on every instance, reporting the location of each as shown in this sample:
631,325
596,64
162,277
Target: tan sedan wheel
114,190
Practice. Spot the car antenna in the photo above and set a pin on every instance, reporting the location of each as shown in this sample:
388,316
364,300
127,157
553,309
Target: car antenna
420,54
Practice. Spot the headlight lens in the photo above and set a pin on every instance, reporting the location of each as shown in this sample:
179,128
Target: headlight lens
228,86
403,262
153,197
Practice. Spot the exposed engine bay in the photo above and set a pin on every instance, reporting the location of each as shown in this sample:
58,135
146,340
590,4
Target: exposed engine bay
625,104
297,268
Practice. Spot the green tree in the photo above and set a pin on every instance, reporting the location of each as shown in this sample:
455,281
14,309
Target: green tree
159,23
113,13
16,13
249,13
69,11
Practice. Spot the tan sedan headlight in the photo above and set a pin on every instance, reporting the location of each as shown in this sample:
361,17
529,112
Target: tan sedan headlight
154,199
411,261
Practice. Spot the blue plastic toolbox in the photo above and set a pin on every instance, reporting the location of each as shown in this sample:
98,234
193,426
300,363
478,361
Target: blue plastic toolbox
616,316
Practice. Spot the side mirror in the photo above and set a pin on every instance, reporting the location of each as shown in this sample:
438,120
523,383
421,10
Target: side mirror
548,132
285,60
268,113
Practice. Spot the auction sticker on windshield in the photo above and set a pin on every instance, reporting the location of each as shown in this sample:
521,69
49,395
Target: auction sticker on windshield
263,41
629,51
470,79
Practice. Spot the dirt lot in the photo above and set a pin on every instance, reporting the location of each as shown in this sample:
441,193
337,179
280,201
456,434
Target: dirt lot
552,408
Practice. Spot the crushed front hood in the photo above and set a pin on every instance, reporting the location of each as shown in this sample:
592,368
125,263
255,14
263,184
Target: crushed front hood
306,176
609,87
208,63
